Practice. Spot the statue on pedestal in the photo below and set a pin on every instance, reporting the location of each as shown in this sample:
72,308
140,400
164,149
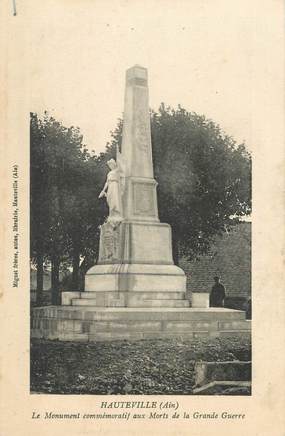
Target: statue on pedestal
113,191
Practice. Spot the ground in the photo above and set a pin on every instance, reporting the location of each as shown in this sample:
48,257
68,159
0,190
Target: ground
123,367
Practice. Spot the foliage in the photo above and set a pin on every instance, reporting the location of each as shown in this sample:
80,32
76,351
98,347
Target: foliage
203,177
64,187
121,367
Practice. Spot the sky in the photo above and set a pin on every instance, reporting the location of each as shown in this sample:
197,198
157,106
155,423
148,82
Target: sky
198,54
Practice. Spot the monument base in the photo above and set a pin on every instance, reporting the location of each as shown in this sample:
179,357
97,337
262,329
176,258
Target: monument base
132,285
125,299
85,323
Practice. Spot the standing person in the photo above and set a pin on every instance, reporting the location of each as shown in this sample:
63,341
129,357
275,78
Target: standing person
218,294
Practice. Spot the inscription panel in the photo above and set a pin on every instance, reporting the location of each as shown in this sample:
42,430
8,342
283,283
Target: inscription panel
144,199
142,124
151,244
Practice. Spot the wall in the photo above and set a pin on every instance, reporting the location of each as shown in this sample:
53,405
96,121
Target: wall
230,258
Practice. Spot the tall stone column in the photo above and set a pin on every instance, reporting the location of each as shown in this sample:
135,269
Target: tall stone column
135,258
140,200
136,141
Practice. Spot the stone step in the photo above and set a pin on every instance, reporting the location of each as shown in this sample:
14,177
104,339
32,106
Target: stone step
206,372
159,303
234,325
230,333
133,303
134,336
130,335
82,326
222,388
151,326
89,323
152,295
127,313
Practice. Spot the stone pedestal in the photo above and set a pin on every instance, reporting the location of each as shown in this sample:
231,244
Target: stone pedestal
135,242
135,269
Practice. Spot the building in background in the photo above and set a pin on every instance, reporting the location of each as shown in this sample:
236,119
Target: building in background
229,258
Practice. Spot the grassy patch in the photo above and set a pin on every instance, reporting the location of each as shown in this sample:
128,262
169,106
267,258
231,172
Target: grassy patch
122,367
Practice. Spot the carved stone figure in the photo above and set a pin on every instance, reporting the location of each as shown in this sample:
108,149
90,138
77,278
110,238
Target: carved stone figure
113,190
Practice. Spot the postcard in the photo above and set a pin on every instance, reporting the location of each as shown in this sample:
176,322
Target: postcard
142,223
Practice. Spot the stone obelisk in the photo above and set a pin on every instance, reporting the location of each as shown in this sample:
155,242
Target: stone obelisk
135,266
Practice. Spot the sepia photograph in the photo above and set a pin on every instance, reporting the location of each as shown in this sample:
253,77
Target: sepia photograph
142,177
140,255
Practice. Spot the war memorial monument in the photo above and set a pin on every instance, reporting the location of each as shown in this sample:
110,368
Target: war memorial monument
134,291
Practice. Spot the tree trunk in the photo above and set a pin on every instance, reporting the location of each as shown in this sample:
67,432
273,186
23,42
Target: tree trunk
87,263
55,295
40,278
75,270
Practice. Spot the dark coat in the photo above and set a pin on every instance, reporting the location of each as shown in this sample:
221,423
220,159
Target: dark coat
217,295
